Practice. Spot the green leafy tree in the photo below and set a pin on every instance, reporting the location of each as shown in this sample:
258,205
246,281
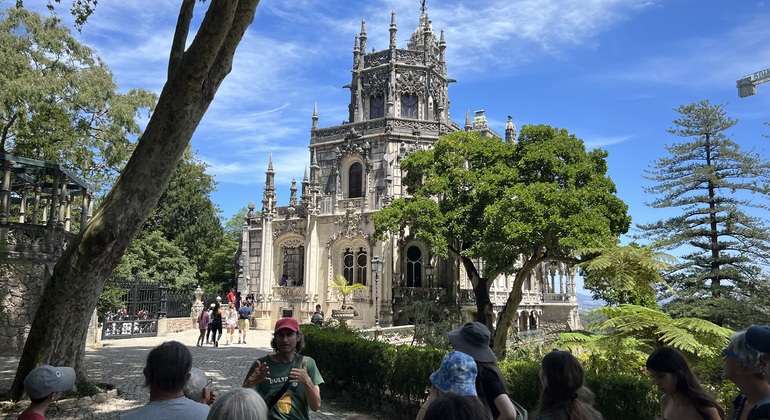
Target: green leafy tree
512,205
196,70
58,101
234,226
625,274
152,256
718,189
185,213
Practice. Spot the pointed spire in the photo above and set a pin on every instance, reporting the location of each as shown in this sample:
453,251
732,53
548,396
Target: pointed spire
362,37
393,30
304,177
315,116
468,125
270,175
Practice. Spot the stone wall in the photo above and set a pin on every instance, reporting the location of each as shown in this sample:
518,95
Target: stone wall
555,320
174,325
21,287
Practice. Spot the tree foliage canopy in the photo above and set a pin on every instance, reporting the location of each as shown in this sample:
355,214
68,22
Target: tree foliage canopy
58,101
511,205
625,274
720,191
196,70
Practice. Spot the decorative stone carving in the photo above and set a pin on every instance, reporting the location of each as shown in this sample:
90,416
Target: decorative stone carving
282,228
410,82
374,82
376,59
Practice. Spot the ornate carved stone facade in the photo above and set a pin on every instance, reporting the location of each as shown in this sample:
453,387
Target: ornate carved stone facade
399,104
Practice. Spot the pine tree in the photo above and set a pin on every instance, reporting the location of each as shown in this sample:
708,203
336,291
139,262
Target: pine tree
719,190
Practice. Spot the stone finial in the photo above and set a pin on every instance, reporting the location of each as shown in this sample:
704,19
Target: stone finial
510,131
393,30
468,125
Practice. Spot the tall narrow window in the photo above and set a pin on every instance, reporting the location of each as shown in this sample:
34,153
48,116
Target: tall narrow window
355,265
409,105
355,181
413,267
361,266
348,266
294,263
376,107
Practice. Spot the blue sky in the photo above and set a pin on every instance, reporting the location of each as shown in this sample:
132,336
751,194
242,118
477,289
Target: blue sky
609,71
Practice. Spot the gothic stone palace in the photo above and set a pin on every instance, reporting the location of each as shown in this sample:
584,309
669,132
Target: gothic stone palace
398,104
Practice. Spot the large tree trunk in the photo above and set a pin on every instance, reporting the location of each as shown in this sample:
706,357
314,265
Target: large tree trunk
505,317
60,326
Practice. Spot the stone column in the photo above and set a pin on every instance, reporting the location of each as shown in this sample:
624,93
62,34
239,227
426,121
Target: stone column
6,199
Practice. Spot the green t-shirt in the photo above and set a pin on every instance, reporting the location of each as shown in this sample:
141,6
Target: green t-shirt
293,403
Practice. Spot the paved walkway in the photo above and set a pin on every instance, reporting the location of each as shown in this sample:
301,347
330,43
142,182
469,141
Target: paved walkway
120,363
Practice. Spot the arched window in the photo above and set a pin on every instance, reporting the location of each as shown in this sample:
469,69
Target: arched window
355,180
355,265
376,106
413,267
409,105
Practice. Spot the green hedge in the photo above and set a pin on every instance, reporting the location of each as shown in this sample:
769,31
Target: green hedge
378,376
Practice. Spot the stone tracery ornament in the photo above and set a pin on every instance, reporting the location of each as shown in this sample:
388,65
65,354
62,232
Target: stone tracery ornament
411,82
374,82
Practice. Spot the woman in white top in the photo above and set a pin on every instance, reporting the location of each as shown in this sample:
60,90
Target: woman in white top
231,322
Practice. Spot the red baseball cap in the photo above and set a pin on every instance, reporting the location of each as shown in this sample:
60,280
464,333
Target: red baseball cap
289,323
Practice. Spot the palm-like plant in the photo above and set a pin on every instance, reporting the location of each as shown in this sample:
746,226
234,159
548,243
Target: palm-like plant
345,288
625,274
640,330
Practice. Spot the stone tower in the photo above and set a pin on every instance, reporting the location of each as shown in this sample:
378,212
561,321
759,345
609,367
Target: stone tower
399,103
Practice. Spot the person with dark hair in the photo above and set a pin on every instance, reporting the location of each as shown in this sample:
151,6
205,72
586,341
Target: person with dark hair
244,320
166,372
456,407
563,394
287,380
683,397
43,386
743,366
473,339
216,323
318,316
456,375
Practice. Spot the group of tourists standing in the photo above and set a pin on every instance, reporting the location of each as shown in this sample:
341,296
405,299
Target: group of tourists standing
236,314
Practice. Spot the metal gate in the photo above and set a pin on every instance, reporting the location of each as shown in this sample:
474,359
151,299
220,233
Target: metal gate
144,301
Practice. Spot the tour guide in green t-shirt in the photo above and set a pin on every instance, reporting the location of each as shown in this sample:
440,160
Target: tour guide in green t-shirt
269,374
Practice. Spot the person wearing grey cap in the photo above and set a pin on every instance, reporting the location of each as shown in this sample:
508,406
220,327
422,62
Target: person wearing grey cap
758,338
473,339
43,385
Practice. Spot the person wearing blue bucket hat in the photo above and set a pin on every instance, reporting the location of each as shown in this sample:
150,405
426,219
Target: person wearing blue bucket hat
758,338
456,375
